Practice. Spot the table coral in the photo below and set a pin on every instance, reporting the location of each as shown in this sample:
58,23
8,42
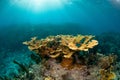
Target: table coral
66,45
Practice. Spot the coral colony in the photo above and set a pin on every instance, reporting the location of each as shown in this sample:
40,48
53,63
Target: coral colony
68,57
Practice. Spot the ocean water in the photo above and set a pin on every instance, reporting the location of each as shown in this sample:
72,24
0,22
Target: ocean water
20,20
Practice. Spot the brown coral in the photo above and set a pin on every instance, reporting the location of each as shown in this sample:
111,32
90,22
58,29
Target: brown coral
64,46
79,42
67,63
107,75
106,63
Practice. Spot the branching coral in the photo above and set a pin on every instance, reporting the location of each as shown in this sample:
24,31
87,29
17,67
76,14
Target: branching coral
66,45
66,56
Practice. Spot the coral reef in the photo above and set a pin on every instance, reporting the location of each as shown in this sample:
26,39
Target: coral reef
117,70
106,64
66,45
52,70
67,57
109,42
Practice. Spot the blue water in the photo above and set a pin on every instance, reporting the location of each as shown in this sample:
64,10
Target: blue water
18,24
96,15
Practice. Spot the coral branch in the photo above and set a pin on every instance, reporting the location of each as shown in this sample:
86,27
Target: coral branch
65,45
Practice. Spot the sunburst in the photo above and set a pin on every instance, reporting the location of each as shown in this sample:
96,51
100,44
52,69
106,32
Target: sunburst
39,5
